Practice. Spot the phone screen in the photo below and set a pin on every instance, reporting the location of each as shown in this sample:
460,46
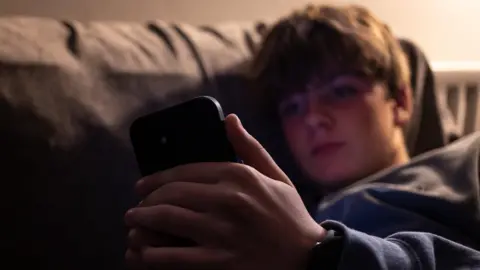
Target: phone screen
190,132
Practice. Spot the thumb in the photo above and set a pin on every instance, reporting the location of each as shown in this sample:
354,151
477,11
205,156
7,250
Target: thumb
251,151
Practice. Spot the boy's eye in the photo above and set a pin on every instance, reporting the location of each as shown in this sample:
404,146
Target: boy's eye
340,93
291,107
346,91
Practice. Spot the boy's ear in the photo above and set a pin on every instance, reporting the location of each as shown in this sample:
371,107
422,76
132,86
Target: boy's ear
403,106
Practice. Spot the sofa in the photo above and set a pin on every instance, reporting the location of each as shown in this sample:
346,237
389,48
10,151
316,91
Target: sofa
68,93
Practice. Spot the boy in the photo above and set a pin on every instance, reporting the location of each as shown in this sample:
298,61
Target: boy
337,82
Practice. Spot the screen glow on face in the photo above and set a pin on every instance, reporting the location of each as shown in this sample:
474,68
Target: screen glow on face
339,91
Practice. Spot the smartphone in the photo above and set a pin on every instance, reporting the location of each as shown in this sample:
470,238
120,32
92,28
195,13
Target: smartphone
189,132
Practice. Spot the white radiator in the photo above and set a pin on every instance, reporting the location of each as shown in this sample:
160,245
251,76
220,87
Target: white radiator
458,85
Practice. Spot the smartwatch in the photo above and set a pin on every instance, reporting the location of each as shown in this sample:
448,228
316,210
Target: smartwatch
327,253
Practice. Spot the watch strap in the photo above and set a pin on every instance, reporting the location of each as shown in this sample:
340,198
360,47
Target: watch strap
326,254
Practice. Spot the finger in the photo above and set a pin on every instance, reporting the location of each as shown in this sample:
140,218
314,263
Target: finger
202,173
194,196
251,151
133,260
180,222
223,200
190,258
206,173
141,237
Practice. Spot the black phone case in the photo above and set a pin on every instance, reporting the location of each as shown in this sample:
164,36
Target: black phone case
189,132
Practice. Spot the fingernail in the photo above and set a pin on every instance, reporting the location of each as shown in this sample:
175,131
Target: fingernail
129,217
140,182
132,257
132,233
139,186
239,122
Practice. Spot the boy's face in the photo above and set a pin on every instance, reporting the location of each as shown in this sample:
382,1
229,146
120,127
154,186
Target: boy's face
342,129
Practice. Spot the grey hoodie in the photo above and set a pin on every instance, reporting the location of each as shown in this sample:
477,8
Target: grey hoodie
423,215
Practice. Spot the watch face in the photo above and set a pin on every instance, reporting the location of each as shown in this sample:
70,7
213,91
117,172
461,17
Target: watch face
326,254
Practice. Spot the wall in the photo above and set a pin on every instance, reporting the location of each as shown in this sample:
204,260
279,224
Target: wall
448,30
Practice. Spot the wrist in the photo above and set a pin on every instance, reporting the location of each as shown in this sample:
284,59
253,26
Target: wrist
326,254
316,236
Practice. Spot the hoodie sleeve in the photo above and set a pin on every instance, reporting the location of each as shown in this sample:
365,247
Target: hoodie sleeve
403,250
